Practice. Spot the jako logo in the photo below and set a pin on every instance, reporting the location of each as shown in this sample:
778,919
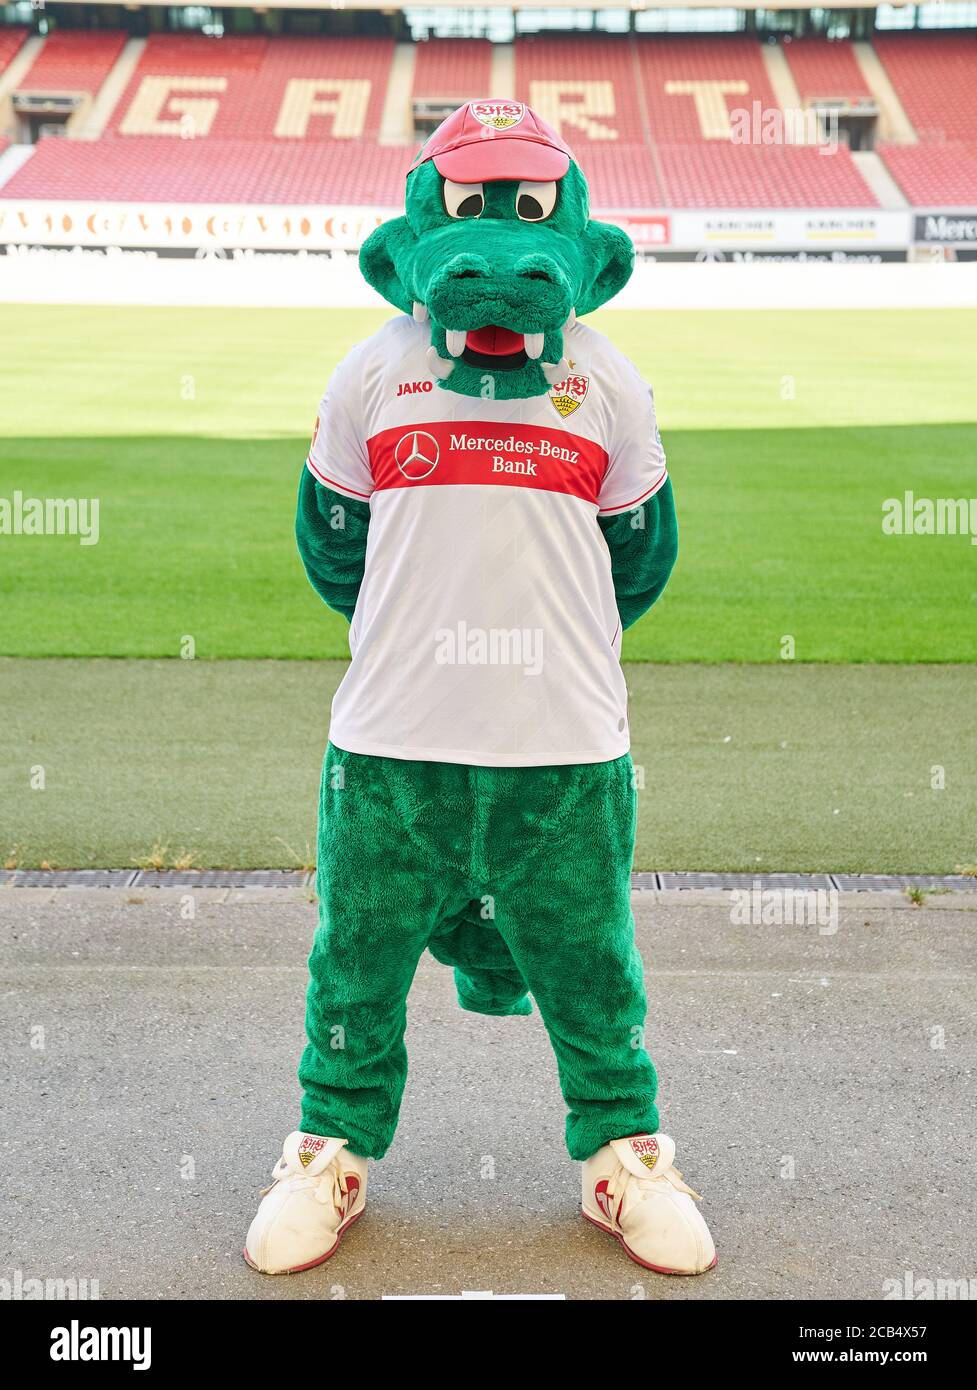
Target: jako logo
77,1343
410,388
493,646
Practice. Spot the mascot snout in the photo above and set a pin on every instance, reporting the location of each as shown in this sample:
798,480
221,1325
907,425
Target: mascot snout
510,308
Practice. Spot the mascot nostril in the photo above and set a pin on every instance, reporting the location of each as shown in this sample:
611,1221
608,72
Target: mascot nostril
486,499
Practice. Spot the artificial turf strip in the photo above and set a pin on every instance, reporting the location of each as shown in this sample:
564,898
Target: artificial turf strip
774,768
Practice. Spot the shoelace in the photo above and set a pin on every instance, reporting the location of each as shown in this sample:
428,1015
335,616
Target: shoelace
646,1186
674,1178
327,1185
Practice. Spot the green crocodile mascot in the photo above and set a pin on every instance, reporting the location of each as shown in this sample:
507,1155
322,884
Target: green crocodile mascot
486,501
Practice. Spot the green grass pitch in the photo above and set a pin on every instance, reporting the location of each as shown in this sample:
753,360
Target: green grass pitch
785,434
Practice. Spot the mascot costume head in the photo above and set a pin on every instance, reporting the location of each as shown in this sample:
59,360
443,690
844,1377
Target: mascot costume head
497,251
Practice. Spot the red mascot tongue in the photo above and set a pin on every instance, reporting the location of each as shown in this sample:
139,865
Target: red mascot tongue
497,342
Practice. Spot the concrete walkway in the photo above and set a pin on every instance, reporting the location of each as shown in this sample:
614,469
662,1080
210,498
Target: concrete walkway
820,1086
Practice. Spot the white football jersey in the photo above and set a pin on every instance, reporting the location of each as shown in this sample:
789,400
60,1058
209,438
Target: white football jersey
486,629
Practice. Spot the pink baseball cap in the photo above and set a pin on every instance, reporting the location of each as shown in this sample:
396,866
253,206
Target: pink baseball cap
495,138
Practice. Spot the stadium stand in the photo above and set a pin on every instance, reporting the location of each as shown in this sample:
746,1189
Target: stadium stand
257,88
74,61
221,171
821,68
586,87
935,77
623,176
655,123
453,68
934,175
762,176
691,84
272,119
10,44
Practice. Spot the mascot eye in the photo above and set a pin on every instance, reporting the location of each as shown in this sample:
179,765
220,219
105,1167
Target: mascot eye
534,201
463,199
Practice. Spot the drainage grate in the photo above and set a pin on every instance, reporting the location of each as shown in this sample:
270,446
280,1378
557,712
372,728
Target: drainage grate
881,883
807,882
220,878
644,882
67,878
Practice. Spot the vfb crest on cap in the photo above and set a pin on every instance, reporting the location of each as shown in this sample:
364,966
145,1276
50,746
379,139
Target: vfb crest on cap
500,115
569,393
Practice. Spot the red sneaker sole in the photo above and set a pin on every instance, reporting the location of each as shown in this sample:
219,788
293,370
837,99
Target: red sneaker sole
298,1269
655,1269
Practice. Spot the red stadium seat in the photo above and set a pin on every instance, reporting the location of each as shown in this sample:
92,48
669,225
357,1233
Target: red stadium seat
934,175
10,44
935,77
221,171
257,88
586,87
761,176
74,61
457,68
623,176
673,72
821,68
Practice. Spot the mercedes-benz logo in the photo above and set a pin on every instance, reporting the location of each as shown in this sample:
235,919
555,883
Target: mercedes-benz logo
417,455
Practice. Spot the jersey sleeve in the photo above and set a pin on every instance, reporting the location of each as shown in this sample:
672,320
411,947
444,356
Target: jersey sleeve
636,459
338,457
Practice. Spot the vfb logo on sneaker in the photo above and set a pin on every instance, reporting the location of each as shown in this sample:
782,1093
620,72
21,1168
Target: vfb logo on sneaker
646,1149
309,1147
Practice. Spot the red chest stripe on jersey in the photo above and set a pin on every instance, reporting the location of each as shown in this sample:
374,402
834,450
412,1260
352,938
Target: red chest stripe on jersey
475,452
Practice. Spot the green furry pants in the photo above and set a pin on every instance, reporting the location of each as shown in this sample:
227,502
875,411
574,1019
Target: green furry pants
517,877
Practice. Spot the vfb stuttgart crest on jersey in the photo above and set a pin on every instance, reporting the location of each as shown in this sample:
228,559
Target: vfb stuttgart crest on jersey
500,115
569,393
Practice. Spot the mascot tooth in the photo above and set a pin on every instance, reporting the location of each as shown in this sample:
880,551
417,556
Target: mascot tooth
478,797
556,371
440,366
533,343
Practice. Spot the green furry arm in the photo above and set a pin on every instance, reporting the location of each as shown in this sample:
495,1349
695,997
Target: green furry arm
642,555
331,533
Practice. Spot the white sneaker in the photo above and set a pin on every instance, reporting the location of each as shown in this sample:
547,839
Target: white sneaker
631,1189
319,1190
